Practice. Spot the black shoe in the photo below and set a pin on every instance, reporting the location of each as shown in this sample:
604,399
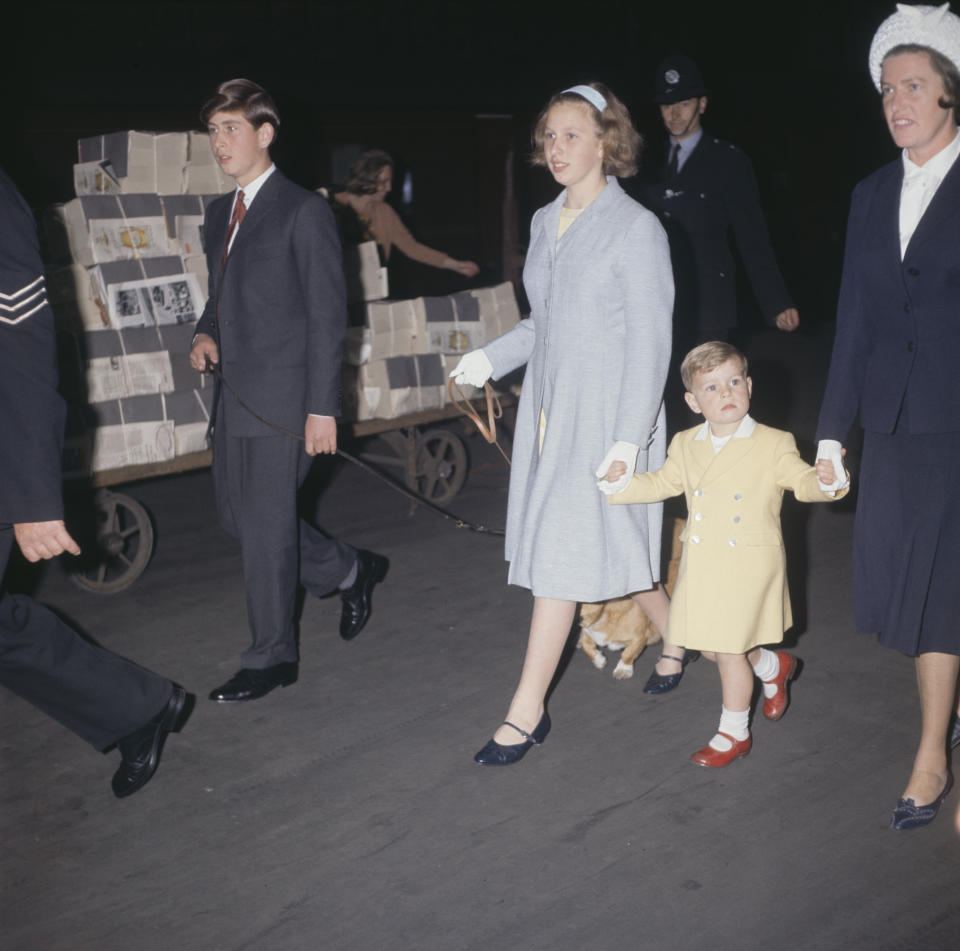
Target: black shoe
371,568
249,683
955,733
908,815
498,754
140,750
664,683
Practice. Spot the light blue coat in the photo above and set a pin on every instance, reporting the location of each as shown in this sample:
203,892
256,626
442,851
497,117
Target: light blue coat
597,347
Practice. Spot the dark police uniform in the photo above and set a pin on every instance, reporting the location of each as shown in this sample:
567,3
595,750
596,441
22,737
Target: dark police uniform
99,696
706,207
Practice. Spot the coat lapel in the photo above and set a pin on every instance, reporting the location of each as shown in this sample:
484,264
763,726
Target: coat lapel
261,207
943,205
713,465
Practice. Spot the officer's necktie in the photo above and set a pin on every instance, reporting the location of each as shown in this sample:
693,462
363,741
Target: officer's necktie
673,166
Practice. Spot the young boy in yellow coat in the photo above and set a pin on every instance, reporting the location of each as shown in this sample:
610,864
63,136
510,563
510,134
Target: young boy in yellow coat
731,594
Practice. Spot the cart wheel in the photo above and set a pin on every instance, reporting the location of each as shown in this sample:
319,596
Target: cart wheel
441,466
124,545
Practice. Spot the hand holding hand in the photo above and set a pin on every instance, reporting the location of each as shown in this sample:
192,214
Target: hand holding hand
831,452
608,480
474,369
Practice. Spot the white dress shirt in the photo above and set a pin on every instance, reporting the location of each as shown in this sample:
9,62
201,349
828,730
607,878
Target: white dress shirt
920,184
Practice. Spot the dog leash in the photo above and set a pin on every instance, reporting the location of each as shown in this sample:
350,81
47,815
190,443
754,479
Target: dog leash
486,429
349,457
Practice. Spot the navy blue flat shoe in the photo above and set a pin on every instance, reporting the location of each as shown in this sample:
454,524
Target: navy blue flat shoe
664,683
908,815
498,754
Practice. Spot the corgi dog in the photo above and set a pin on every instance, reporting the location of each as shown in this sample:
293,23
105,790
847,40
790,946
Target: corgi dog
620,625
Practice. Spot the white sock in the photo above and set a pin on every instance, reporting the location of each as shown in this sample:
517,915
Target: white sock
766,668
733,723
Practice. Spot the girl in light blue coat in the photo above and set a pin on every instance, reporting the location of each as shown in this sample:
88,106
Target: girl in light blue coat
597,347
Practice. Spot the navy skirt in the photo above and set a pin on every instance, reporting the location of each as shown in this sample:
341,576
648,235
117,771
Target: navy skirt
906,560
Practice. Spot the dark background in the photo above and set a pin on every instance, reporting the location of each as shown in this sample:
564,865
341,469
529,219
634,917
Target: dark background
788,82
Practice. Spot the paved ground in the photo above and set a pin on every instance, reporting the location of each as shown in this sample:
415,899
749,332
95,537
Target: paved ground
344,813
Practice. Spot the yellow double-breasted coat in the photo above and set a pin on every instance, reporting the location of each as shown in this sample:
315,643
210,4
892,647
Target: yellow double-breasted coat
731,593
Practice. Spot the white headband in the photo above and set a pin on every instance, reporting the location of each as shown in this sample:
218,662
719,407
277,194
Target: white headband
590,94
935,27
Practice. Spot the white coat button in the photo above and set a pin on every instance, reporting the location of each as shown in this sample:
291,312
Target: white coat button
732,543
737,497
695,539
697,493
736,518
698,516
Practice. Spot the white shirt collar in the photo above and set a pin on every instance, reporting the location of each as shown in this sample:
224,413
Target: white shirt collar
743,431
250,191
934,169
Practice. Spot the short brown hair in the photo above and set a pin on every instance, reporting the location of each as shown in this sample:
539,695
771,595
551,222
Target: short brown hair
945,68
244,96
620,140
362,179
708,356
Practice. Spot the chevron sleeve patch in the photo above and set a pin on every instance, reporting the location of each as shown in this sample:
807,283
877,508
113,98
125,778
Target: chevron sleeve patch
23,303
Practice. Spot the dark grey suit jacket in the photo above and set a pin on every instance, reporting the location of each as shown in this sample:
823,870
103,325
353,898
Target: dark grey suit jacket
278,309
898,322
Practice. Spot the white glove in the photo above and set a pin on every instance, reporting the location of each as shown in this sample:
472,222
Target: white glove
474,369
625,452
830,449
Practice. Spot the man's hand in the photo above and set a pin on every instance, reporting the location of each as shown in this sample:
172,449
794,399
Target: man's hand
789,320
38,540
320,435
204,346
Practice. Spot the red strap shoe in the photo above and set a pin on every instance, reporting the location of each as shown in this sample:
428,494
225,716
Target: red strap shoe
708,756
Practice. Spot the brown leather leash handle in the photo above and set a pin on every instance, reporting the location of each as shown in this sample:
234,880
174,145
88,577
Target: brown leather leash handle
486,429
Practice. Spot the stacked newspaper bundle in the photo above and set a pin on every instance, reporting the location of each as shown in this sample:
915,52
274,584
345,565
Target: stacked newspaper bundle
128,281
443,327
133,397
394,386
164,163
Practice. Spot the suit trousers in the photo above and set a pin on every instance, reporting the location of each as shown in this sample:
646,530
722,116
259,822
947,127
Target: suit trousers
256,481
96,694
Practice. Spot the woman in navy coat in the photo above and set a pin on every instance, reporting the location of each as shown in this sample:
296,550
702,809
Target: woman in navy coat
894,366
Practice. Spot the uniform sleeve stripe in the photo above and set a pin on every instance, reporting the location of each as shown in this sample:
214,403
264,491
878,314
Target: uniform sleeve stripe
22,317
37,282
26,302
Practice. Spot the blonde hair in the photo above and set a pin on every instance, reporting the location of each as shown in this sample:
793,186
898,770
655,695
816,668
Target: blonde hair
620,140
708,356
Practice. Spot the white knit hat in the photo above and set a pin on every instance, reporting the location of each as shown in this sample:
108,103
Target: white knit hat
935,27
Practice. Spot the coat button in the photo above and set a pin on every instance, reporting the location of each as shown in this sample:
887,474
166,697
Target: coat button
913,272
732,543
736,518
737,497
697,493
695,539
698,516
910,347
906,308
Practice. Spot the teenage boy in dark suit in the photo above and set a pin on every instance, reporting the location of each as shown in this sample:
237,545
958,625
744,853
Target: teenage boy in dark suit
274,324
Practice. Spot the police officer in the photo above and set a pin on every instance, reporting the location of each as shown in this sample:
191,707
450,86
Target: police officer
101,697
707,199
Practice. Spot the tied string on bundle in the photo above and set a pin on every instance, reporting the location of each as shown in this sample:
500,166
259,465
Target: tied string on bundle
349,457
